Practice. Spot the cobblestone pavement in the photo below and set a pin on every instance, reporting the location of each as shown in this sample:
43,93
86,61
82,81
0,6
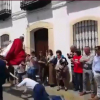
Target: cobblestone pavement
16,94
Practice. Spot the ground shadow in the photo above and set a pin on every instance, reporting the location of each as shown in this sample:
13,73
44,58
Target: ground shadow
12,91
39,14
77,6
18,92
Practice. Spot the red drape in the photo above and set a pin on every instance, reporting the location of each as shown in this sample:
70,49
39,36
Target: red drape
16,53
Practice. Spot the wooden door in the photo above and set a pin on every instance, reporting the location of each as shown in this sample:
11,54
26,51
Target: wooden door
41,41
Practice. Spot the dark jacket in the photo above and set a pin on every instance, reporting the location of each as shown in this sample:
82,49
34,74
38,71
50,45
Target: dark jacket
3,72
54,61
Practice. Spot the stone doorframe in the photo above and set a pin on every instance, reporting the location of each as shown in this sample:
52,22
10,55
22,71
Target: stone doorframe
82,19
38,25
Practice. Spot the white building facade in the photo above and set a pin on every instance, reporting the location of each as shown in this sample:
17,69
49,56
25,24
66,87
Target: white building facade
57,25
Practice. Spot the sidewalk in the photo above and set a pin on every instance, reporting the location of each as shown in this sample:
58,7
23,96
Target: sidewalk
68,95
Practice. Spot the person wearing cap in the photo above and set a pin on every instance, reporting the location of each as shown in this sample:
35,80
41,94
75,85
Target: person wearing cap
96,72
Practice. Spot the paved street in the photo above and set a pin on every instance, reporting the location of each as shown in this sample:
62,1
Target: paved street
16,94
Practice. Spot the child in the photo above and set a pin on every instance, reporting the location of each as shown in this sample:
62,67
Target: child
78,70
38,90
21,71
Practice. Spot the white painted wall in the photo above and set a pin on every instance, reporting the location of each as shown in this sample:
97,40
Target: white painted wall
60,17
15,6
81,9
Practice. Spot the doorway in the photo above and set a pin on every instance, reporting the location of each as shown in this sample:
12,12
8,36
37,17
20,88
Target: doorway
41,41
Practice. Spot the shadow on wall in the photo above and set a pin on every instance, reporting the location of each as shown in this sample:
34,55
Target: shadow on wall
39,14
6,23
77,6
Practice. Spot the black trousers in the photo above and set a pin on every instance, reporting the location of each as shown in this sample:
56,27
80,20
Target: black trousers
79,81
1,92
11,69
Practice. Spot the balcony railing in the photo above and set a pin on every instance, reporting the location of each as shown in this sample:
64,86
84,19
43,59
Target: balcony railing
5,9
33,4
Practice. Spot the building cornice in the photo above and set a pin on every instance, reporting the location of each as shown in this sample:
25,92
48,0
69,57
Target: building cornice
22,14
18,15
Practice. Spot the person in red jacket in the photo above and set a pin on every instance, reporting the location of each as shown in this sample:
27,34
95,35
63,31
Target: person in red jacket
78,70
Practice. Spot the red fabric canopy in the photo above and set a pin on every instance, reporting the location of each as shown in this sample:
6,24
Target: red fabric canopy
16,54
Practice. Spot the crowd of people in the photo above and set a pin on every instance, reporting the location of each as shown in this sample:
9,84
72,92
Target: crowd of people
86,67
53,70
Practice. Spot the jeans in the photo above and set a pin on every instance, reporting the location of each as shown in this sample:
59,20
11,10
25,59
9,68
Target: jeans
97,79
88,74
79,81
39,93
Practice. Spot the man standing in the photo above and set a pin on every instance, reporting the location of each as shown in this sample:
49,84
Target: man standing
70,56
96,71
3,75
87,61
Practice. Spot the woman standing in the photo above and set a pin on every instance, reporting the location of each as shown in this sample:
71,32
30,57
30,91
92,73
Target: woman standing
52,78
61,69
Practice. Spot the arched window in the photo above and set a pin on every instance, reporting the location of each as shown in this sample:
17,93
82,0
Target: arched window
85,34
4,40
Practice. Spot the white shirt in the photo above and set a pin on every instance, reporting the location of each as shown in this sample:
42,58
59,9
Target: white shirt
96,64
29,83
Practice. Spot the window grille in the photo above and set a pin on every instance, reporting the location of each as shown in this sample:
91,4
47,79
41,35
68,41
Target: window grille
85,33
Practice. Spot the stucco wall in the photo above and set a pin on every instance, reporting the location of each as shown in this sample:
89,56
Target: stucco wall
62,16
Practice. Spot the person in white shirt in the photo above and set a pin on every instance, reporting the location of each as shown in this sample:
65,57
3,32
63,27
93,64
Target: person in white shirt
38,89
96,72
39,92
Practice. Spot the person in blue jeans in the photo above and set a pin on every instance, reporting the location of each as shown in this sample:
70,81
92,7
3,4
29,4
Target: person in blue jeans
39,92
32,71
